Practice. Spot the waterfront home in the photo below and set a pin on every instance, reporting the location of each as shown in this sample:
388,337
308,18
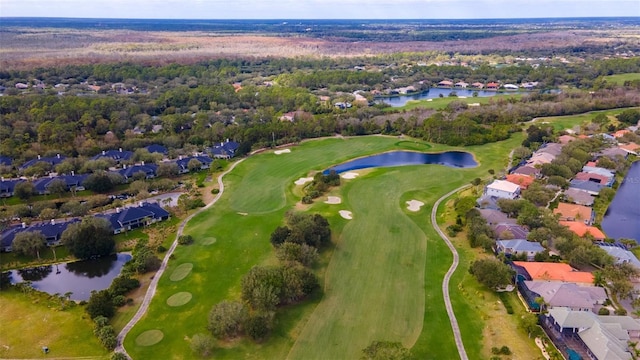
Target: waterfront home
477,85
461,85
552,272
518,247
565,294
590,187
620,253
573,212
581,229
579,197
445,83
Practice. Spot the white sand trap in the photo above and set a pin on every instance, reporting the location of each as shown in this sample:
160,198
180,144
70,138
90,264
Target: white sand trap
414,205
243,213
474,104
284,151
462,97
303,180
333,200
429,99
346,214
349,175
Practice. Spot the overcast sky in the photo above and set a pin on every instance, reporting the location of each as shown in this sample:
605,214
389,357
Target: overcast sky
319,9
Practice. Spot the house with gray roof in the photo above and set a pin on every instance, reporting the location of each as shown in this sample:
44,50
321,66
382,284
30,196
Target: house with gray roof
598,170
590,187
51,230
602,337
577,196
551,148
224,150
527,170
128,172
518,247
116,155
514,230
129,218
494,217
620,253
7,186
53,161
155,148
566,294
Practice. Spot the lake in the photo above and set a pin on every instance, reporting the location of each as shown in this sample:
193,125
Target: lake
78,277
622,219
402,100
459,159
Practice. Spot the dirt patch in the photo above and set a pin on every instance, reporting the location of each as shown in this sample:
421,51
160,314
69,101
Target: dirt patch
332,200
414,205
283,151
346,214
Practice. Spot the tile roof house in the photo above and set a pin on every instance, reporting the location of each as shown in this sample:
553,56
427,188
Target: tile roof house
579,197
519,246
596,178
602,337
598,170
565,139
445,83
461,85
582,229
620,254
224,150
477,85
514,231
52,231
569,295
631,148
493,86
116,155
42,184
573,212
554,271
521,180
134,217
128,172
554,149
540,158
502,189
613,153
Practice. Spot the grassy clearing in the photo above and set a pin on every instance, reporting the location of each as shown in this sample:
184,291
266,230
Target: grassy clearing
570,121
619,79
441,103
29,322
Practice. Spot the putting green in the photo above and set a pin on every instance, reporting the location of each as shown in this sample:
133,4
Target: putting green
150,337
208,241
179,299
181,271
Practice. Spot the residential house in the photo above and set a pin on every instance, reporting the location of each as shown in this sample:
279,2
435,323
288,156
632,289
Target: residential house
529,170
565,139
445,83
524,181
518,247
601,337
128,172
6,161
565,294
493,86
71,181
461,85
554,149
507,231
495,217
540,158
53,161
598,170
621,133
612,153
477,85
52,231
224,150
502,189
581,229
630,148
529,85
7,186
579,197
511,87
183,163
552,272
620,253
596,178
117,155
125,219
155,148
590,187
573,212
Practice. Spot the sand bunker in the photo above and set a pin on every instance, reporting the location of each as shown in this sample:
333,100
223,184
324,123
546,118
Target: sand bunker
283,151
346,214
414,205
349,175
303,180
333,200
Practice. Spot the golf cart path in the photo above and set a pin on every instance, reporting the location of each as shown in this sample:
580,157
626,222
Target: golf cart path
154,282
445,282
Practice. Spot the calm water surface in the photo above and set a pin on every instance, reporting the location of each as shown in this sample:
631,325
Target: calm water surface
78,277
459,159
622,219
402,100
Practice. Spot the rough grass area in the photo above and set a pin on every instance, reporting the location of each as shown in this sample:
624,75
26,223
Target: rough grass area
441,103
569,122
29,322
619,79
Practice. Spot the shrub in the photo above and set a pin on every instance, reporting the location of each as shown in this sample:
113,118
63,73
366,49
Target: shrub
161,249
119,300
215,191
620,311
604,311
185,240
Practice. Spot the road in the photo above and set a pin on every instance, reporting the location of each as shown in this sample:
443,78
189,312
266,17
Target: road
445,282
154,282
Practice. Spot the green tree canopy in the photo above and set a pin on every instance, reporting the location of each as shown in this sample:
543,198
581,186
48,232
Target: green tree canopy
492,273
89,238
29,243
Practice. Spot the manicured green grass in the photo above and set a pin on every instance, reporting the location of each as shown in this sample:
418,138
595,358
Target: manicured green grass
570,121
383,281
619,79
14,260
29,322
441,103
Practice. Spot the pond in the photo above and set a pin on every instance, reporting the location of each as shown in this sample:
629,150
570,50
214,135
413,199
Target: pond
78,277
622,219
459,159
402,100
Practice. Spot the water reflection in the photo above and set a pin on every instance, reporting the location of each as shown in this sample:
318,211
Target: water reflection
400,158
35,273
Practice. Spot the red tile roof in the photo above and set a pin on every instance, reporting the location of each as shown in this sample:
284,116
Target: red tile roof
573,212
555,271
523,180
581,229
